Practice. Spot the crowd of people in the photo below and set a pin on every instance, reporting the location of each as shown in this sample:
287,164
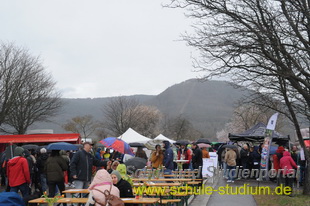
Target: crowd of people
284,162
30,172
39,171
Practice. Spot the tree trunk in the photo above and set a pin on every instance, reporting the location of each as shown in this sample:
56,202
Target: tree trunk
306,189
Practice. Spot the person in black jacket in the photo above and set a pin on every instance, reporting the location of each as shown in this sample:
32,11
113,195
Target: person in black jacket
197,156
40,165
124,187
256,157
244,155
81,166
197,160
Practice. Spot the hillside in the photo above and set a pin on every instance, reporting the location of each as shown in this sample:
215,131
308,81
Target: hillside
208,105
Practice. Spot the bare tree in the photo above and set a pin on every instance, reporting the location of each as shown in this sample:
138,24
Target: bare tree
122,113
119,114
86,126
147,118
263,45
27,92
180,128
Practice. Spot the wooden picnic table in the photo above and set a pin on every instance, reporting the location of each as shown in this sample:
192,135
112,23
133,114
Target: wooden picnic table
163,179
159,184
84,200
62,200
73,191
184,172
141,200
179,175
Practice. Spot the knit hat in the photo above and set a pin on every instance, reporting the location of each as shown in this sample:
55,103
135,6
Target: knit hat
18,151
117,174
42,150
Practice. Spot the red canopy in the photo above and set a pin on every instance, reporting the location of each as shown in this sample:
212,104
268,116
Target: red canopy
307,143
73,138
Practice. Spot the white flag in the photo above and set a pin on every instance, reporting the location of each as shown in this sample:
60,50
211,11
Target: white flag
272,121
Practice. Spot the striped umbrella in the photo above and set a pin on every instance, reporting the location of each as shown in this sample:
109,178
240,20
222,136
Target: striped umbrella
117,144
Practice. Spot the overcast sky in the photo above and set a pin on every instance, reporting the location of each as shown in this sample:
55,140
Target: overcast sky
101,48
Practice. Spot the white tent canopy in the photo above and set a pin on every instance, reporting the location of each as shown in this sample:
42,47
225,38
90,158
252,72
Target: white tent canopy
163,138
132,136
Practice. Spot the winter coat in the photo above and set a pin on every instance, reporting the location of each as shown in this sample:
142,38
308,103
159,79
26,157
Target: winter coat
125,189
41,162
18,171
244,155
230,157
102,181
31,161
255,156
54,168
122,169
98,154
197,158
276,158
168,156
186,153
294,156
81,165
287,163
157,160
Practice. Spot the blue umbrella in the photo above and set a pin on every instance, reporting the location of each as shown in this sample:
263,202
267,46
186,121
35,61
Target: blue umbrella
61,146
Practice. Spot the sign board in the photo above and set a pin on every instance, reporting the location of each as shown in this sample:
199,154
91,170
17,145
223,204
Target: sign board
209,165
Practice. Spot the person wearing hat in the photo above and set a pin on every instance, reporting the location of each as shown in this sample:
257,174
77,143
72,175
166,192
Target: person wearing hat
18,172
81,166
125,189
40,165
168,158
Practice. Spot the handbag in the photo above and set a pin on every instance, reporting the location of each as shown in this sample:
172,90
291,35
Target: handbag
110,199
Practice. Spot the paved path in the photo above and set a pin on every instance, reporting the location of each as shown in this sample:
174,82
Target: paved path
231,200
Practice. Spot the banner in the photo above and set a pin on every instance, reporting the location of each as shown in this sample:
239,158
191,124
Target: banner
209,165
267,141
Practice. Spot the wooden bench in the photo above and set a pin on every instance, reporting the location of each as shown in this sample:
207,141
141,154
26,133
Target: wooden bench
193,183
62,200
169,201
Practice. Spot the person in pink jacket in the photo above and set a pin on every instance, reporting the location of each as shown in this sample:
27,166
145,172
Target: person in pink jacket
288,165
102,181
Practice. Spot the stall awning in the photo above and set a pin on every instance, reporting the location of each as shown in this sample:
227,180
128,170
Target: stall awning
257,134
73,138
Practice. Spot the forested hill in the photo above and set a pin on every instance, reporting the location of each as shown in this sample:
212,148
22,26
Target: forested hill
208,105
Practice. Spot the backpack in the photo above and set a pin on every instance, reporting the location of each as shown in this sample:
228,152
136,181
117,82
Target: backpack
11,199
111,200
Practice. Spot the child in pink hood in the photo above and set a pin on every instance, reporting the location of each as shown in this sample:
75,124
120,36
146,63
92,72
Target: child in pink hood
102,181
288,164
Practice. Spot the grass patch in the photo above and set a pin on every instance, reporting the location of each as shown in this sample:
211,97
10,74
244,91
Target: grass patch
281,200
